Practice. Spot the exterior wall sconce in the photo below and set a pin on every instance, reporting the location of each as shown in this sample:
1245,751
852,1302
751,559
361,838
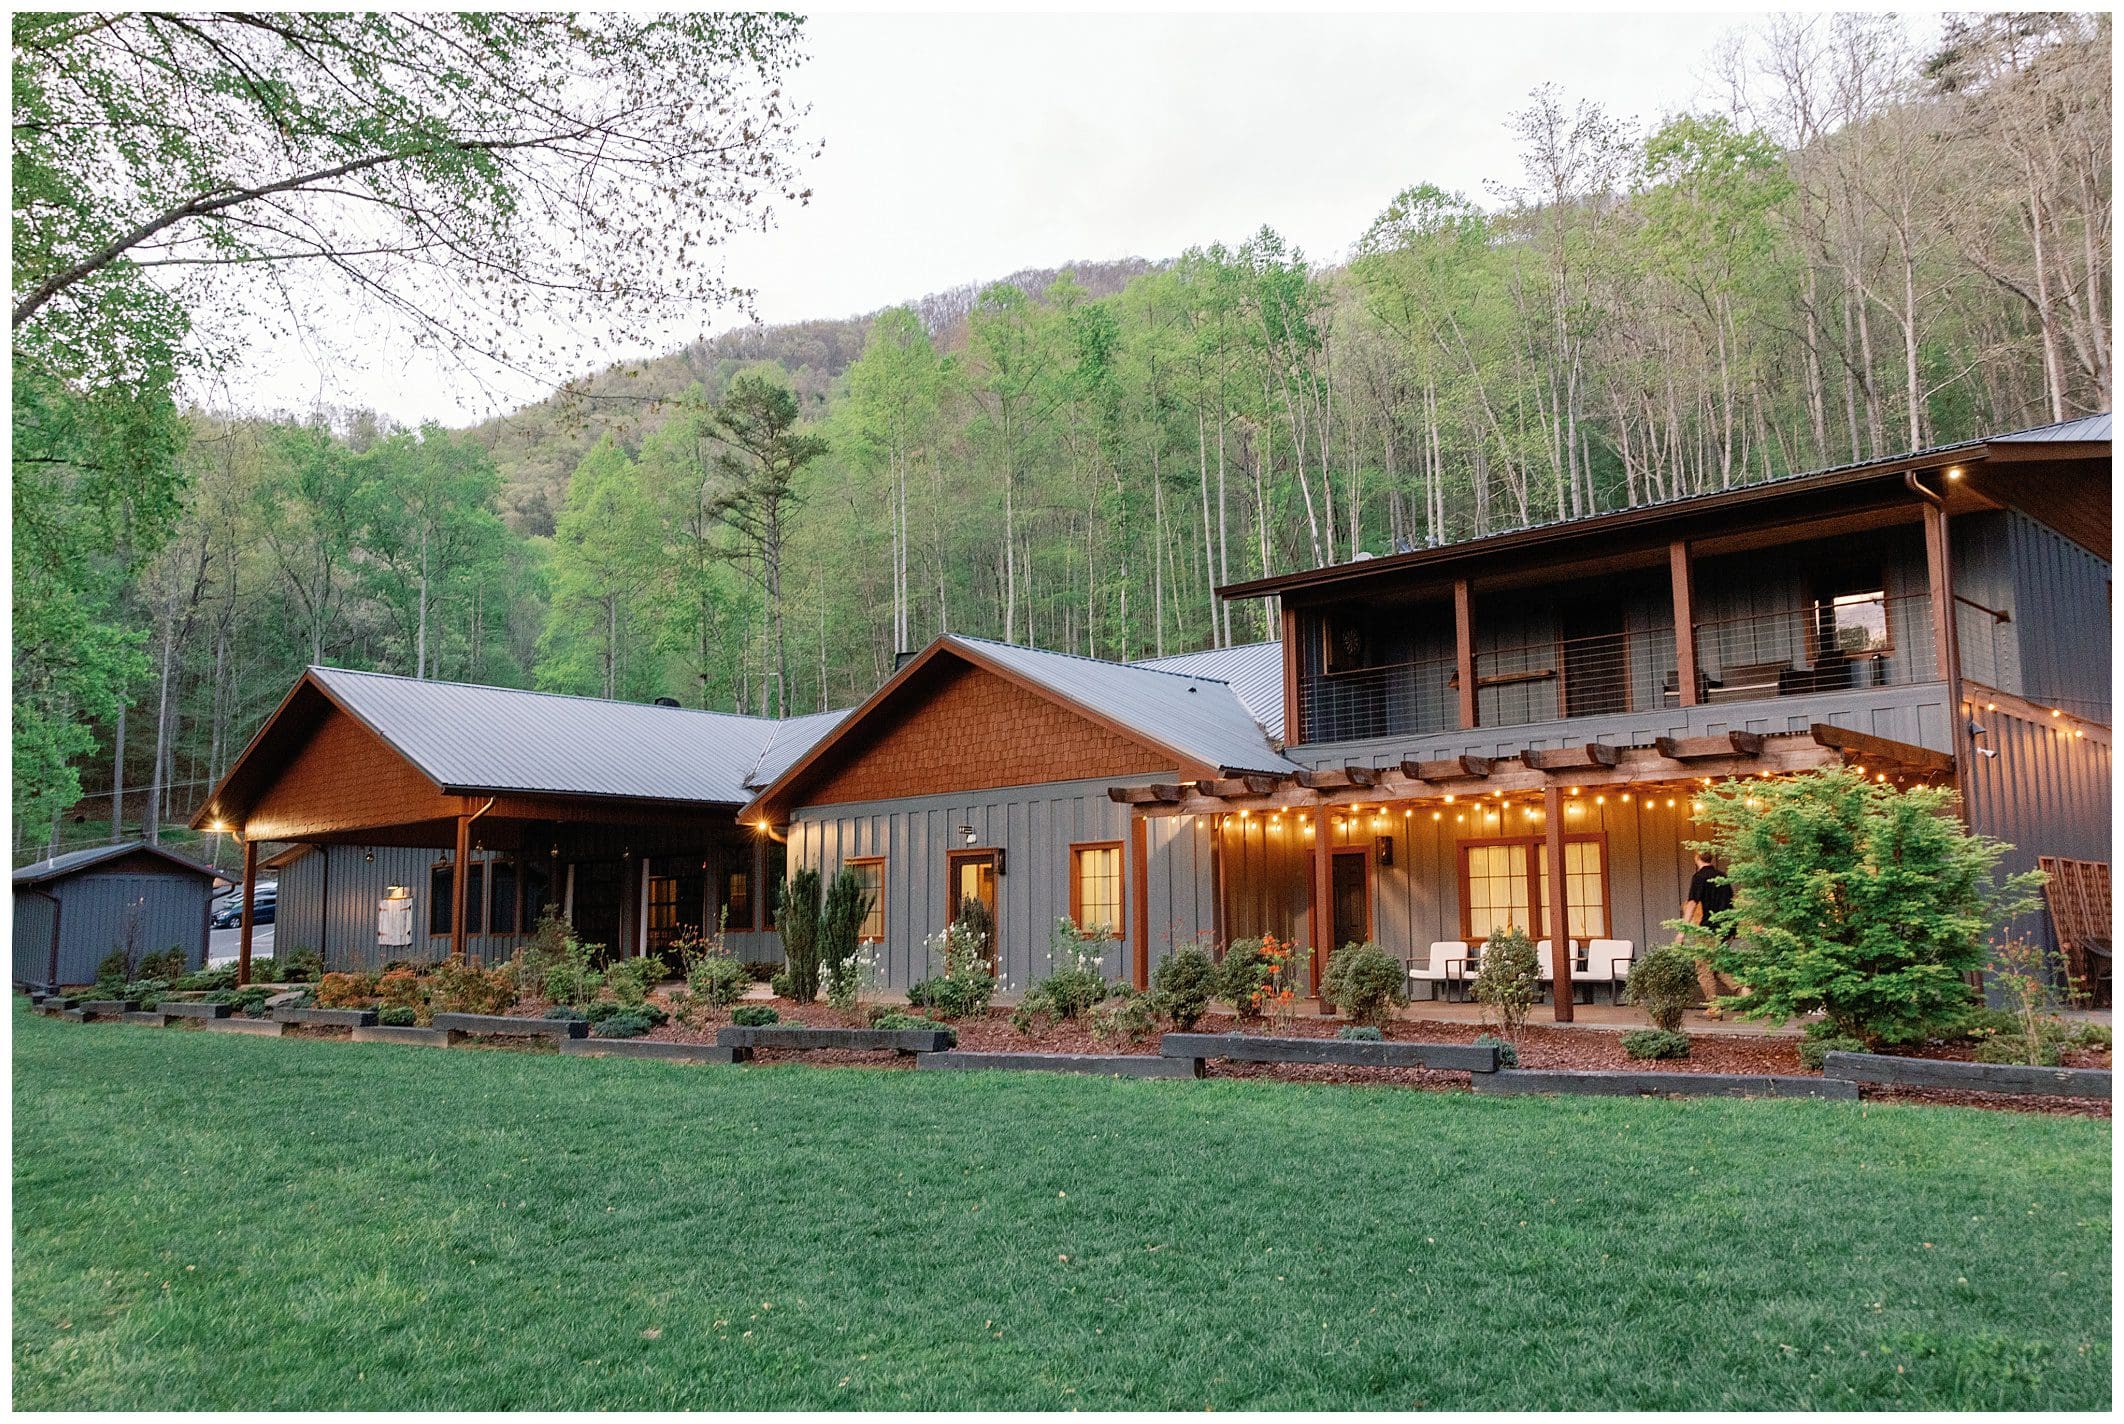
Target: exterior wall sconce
967,834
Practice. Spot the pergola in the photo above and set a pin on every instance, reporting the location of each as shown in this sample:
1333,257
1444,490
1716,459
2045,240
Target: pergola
1550,773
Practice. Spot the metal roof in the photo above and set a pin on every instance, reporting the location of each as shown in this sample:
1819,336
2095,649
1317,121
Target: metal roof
2087,428
1254,672
76,861
470,738
790,740
1202,718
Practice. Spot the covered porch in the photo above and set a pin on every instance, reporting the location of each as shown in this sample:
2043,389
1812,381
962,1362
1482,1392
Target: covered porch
1583,846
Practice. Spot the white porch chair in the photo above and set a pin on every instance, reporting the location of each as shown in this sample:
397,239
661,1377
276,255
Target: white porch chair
1434,972
1545,960
1607,962
1456,963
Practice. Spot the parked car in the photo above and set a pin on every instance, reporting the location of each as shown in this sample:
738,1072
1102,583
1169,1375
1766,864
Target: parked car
228,910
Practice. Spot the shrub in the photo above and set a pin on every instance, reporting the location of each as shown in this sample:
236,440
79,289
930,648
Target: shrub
627,1023
1076,984
116,968
303,966
2091,1035
346,991
249,1000
396,1016
967,983
1655,1043
1664,985
898,1022
1185,982
2025,975
147,992
208,980
841,916
460,988
717,979
1508,979
1852,898
630,980
1360,1033
170,964
798,917
754,1016
1240,974
401,988
555,965
783,985
1125,1014
2046,1051
566,1011
1364,982
1507,1053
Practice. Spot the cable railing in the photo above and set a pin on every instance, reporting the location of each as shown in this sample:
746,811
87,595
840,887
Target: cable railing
1841,644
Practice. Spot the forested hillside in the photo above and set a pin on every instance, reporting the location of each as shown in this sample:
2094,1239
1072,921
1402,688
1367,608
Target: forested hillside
1863,250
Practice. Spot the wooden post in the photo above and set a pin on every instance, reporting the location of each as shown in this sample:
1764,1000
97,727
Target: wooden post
1139,896
457,884
1559,913
1293,713
1322,920
1216,866
1464,649
1939,575
1684,621
250,892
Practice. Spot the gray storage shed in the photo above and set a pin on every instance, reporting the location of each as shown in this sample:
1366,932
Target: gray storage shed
71,911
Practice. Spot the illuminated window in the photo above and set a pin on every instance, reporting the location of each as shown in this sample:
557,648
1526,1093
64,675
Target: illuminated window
1095,886
871,873
1506,882
1494,889
1586,884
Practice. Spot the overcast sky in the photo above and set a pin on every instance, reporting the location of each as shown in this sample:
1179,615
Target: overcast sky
961,148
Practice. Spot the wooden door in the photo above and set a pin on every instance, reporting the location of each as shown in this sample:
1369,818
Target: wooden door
972,875
1351,898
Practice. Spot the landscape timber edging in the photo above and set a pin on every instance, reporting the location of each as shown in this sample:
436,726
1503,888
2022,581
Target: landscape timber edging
1614,1083
653,1048
402,1033
1356,1053
799,1038
193,1009
512,1025
109,1008
2019,1078
151,1018
265,1028
1112,1065
327,1018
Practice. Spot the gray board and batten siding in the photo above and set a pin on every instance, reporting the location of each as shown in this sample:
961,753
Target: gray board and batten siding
1034,826
109,898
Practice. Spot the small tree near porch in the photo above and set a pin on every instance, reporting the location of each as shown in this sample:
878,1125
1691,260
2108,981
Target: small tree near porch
1866,902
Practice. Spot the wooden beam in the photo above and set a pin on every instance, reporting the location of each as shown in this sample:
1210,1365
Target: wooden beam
1585,758
250,891
1742,744
1464,649
1334,778
1881,749
1139,894
457,884
1559,910
1465,768
1681,575
1155,795
1248,785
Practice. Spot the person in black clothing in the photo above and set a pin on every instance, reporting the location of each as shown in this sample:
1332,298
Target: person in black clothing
1708,894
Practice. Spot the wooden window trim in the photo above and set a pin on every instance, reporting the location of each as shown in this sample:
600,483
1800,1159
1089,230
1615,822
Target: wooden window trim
1825,591
1537,910
1121,885
879,861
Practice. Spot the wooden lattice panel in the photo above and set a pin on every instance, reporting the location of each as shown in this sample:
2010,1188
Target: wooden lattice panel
2078,892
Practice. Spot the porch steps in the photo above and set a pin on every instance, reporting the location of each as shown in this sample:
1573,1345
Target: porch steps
1611,1084
1112,1065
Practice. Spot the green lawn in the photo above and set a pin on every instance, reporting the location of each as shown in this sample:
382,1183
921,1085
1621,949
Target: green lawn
206,1221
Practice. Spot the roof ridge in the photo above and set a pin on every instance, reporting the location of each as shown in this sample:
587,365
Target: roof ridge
561,696
1086,658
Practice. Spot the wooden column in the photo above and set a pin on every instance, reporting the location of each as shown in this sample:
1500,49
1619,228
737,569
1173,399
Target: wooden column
1684,621
457,884
1464,649
1139,896
1559,912
1216,866
250,893
1322,919
1293,714
1939,576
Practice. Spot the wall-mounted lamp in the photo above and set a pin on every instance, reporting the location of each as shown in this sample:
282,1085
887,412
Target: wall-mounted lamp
967,834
